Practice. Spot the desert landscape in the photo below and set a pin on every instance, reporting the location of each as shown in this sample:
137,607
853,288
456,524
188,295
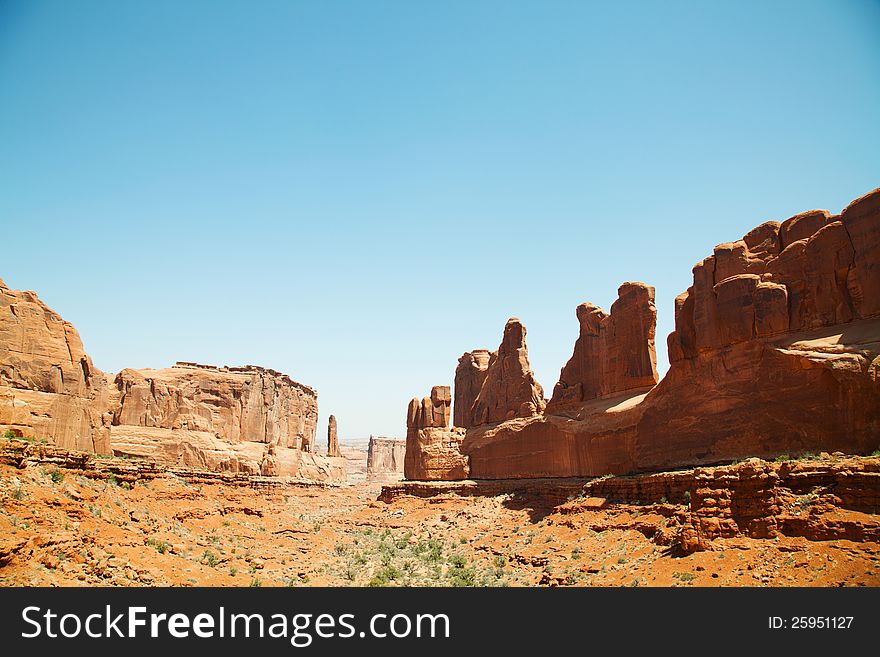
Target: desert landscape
754,461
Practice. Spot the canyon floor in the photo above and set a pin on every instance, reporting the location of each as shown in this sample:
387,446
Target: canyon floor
61,528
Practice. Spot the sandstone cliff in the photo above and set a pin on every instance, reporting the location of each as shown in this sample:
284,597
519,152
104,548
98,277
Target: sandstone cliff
432,448
614,352
776,349
385,458
49,387
469,378
248,420
509,389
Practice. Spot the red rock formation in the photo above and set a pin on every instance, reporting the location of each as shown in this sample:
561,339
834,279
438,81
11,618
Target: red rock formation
776,349
195,416
332,438
510,389
469,378
614,352
432,449
233,403
385,459
49,388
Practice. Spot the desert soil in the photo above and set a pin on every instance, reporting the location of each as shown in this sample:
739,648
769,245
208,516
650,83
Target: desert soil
59,528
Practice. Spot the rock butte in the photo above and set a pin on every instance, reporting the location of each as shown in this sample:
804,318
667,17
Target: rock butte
248,420
385,457
776,350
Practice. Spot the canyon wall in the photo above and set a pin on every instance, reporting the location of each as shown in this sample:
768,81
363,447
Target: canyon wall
470,375
385,459
248,419
776,349
49,388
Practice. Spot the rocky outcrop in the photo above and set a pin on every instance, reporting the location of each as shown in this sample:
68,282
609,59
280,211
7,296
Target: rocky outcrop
614,352
332,438
509,389
776,349
385,459
817,499
235,404
469,378
247,420
432,448
49,388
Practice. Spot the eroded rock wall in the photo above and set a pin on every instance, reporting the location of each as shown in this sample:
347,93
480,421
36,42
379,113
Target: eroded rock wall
614,352
509,389
49,388
248,420
385,459
433,450
776,350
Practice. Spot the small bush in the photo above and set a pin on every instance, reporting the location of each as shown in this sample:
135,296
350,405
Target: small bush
684,577
384,575
256,583
18,493
9,434
687,497
233,571
210,558
57,476
782,458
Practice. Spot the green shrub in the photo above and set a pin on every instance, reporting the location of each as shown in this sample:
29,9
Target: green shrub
384,575
256,582
210,558
9,434
57,476
782,458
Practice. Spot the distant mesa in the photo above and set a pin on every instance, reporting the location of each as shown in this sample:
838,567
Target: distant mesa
385,457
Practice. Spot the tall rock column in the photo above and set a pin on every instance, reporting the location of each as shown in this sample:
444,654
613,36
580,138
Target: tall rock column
614,352
432,448
332,438
469,378
510,389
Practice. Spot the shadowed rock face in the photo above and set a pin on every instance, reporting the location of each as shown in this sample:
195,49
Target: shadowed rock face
469,378
776,350
509,389
614,352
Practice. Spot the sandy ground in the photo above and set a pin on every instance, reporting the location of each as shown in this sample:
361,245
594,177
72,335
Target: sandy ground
61,528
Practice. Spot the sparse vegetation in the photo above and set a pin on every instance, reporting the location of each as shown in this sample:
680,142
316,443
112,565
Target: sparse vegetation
56,476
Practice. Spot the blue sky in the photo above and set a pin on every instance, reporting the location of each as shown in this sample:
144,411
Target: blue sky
355,193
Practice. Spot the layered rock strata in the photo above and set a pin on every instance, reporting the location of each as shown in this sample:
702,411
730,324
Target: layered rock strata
49,388
470,375
509,389
248,420
614,352
776,349
385,459
432,448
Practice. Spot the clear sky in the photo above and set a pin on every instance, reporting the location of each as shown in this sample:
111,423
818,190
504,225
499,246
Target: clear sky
355,193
